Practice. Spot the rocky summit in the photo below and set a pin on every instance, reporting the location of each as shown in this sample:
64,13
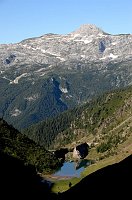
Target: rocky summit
46,75
87,44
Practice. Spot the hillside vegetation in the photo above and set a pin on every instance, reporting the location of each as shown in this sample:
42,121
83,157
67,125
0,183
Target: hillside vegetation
18,181
17,145
104,122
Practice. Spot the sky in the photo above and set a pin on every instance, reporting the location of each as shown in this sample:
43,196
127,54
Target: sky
22,19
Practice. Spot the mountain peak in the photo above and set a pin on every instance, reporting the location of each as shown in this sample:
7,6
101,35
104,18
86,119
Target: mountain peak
88,29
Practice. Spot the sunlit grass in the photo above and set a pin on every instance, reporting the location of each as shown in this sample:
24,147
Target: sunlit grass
123,151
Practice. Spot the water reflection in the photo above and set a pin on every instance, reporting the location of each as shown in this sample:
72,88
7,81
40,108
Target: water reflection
73,168
81,163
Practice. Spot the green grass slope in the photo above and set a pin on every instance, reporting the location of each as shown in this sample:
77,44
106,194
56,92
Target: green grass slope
111,181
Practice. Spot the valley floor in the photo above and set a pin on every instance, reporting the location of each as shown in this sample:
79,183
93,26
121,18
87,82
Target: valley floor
61,184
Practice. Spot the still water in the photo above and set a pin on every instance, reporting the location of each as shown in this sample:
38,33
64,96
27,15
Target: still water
72,168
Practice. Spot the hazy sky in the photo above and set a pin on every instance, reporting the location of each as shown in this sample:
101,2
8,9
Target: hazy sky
21,19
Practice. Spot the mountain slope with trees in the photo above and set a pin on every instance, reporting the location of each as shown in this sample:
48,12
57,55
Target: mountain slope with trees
104,123
18,181
107,120
17,145
42,77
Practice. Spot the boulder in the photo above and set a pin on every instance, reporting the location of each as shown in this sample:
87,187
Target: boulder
81,151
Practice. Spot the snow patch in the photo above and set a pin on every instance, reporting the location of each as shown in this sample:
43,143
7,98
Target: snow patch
29,47
56,55
18,78
53,54
6,78
61,78
32,98
69,68
86,41
43,74
42,69
100,34
50,66
68,96
74,35
42,50
114,43
64,90
83,56
117,81
16,113
39,70
62,59
103,58
112,56
80,38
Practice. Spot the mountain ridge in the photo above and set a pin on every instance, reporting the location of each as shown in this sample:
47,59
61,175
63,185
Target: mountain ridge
61,70
88,29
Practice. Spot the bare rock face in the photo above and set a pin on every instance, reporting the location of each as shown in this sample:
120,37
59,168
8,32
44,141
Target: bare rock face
43,76
88,29
81,151
87,44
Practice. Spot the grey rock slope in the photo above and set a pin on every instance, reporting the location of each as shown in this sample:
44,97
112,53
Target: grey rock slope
42,76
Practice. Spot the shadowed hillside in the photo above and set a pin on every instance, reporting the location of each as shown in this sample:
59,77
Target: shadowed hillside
17,145
19,181
111,182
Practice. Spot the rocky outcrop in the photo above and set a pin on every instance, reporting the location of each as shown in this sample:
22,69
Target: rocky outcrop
88,43
78,62
81,151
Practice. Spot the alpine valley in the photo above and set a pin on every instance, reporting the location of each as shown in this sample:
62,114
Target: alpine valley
60,93
44,76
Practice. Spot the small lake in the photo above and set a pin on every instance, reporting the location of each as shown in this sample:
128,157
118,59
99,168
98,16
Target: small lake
72,168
